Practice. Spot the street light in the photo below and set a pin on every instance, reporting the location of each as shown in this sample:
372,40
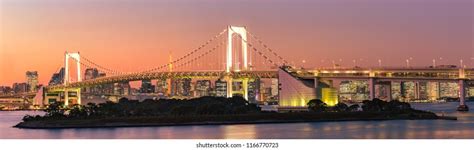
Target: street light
434,63
380,63
408,63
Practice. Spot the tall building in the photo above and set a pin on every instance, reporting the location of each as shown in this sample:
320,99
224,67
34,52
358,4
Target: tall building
4,90
221,88
20,87
203,88
147,87
254,90
32,81
90,73
161,87
274,87
186,90
122,88
57,78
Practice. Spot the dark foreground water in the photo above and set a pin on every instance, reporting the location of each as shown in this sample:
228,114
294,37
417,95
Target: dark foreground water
398,129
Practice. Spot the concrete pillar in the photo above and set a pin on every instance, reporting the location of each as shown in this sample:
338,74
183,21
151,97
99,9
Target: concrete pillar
389,90
79,96
66,97
462,92
462,96
371,88
229,86
417,90
245,88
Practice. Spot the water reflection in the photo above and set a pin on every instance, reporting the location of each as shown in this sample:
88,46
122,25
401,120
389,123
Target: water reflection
393,129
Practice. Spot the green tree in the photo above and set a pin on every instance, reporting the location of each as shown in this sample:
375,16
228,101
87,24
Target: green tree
317,105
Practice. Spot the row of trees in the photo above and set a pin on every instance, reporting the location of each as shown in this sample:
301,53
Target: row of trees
375,105
162,107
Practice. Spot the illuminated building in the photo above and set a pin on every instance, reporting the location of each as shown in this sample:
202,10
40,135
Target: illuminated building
32,80
253,89
202,88
295,92
221,88
57,78
90,73
186,82
20,87
161,87
274,86
147,87
329,96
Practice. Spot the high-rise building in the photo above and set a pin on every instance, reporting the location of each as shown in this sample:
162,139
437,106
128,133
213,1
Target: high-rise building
147,87
186,83
254,90
57,78
221,88
20,87
274,87
122,88
32,81
91,73
202,88
161,87
4,90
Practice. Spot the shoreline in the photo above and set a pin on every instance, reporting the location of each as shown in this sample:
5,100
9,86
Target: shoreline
220,120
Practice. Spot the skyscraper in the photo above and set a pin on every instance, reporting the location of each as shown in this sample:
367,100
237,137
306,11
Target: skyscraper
221,88
203,87
57,78
147,87
32,81
161,87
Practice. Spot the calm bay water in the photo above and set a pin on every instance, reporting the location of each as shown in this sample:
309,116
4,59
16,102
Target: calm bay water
398,129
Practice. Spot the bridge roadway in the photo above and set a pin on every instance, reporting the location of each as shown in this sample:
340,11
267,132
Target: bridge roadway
381,74
389,74
166,75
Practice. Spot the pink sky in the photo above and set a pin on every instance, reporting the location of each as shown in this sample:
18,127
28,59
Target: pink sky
136,34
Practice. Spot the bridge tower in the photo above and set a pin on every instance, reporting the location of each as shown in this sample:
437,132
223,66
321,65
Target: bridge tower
77,57
230,66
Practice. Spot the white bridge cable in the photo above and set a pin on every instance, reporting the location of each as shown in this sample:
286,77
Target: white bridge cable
102,69
258,52
113,71
200,56
266,47
187,55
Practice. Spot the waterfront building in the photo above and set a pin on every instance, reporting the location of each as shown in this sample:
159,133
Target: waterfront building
161,87
57,78
147,87
202,88
90,73
221,88
5,90
187,85
32,81
253,90
20,87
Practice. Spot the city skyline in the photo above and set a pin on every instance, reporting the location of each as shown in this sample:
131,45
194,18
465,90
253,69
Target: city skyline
113,34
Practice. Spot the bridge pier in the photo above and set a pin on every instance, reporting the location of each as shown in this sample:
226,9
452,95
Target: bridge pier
462,96
66,97
371,88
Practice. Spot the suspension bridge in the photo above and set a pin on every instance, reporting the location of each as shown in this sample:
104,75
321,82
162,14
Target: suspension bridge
237,55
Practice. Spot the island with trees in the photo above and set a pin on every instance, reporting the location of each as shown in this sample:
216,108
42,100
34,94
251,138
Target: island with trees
212,111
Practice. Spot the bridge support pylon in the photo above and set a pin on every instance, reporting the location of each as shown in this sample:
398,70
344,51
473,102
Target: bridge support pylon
462,96
234,67
371,88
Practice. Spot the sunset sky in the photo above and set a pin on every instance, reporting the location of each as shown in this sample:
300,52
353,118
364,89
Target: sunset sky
136,34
